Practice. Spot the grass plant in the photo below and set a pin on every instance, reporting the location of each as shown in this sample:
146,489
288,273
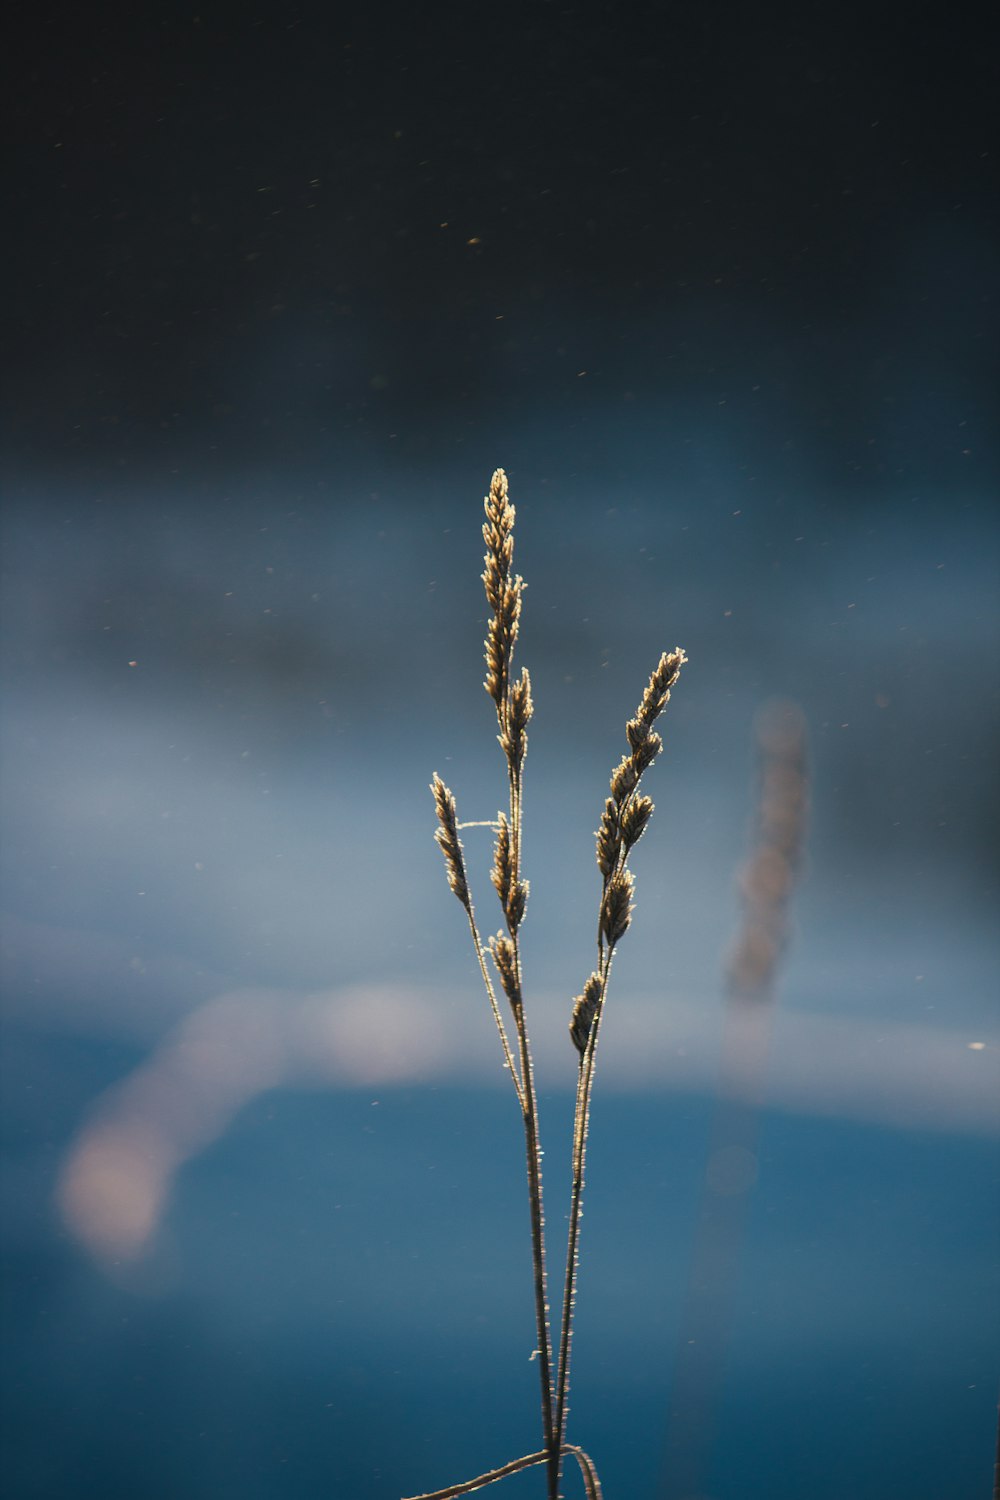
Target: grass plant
623,820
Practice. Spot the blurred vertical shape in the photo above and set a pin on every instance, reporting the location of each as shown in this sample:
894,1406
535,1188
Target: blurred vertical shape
769,874
766,882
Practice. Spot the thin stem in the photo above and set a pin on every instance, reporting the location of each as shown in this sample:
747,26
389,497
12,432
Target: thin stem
569,1280
515,819
591,1483
508,1055
581,1125
468,1485
533,1155
534,1168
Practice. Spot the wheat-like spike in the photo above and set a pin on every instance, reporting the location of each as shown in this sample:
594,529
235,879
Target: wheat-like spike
501,635
513,893
503,592
498,531
584,1011
645,753
503,955
502,874
635,817
657,694
449,841
621,828
624,779
616,909
514,740
516,904
609,838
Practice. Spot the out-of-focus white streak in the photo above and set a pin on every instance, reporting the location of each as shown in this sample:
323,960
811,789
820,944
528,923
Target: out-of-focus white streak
116,1179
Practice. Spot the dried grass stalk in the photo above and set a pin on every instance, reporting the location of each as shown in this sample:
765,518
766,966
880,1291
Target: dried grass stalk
624,819
449,841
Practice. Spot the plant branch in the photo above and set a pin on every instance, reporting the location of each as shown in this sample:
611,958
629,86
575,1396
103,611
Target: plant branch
625,817
508,1055
591,1483
533,1155
581,1126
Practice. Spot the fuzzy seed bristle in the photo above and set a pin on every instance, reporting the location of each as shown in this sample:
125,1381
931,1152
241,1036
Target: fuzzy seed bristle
634,820
501,636
514,740
646,752
447,838
502,873
624,779
609,838
513,893
616,909
498,535
521,704
516,903
503,590
657,693
584,1011
504,957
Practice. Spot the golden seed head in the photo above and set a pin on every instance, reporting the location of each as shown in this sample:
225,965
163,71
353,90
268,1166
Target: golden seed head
657,693
624,779
635,732
516,903
505,958
501,635
634,820
584,1011
449,841
609,838
646,752
502,873
616,909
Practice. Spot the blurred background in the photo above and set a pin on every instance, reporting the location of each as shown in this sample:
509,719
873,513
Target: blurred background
717,287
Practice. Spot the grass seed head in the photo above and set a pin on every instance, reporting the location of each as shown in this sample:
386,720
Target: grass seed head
616,909
504,957
448,839
609,838
514,739
657,694
584,1011
634,820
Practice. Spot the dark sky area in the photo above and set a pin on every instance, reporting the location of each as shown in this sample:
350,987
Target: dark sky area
250,232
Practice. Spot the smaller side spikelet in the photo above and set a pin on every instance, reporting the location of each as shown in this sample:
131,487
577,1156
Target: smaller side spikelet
513,893
503,594
616,910
504,957
449,841
625,814
624,820
584,1011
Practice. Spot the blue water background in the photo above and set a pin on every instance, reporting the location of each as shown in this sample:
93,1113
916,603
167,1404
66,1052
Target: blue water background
223,706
